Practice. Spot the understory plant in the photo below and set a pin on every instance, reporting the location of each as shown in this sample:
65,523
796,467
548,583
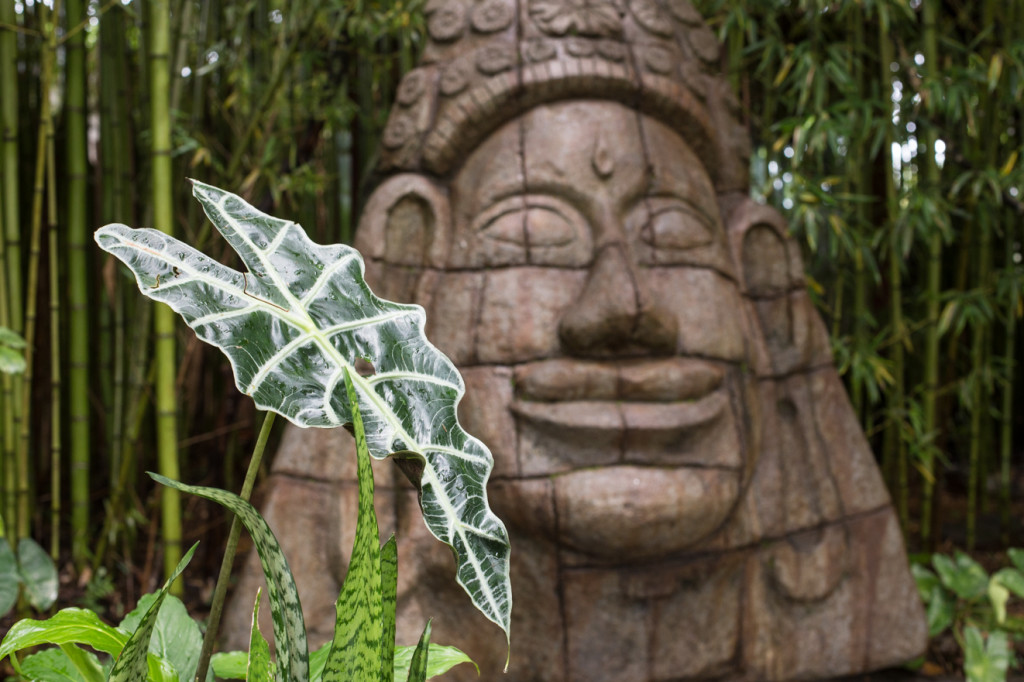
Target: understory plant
293,325
962,598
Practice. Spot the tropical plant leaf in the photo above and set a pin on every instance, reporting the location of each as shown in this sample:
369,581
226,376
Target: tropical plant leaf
420,657
356,647
389,602
176,637
441,660
986,661
53,665
286,611
961,574
67,626
230,665
293,323
132,665
38,574
10,581
86,663
258,667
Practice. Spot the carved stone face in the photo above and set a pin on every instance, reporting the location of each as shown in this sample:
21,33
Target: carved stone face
609,299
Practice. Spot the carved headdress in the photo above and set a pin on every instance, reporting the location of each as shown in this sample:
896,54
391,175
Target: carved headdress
487,61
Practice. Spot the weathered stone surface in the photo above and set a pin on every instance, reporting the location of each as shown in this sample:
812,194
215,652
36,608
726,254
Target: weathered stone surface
687,491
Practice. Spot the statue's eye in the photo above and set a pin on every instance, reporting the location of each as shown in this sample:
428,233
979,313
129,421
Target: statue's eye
540,225
676,228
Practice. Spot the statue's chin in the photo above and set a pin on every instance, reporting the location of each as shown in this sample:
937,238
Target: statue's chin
629,513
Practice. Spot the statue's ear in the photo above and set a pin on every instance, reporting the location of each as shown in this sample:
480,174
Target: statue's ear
406,222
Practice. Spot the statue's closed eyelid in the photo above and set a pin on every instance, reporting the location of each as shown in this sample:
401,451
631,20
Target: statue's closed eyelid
538,221
670,223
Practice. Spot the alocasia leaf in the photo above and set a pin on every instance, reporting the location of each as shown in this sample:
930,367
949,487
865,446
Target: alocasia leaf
293,323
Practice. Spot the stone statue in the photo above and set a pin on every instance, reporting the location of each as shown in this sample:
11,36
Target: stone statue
687,490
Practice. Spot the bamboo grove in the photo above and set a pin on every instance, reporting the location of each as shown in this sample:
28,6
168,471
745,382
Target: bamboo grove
888,132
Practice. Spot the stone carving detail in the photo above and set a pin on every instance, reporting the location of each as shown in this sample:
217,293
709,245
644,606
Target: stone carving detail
596,18
687,490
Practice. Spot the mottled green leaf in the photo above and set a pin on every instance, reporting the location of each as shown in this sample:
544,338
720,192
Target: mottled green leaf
356,647
285,609
986,661
293,323
176,637
441,660
258,667
389,600
961,574
38,574
53,665
420,657
10,581
132,665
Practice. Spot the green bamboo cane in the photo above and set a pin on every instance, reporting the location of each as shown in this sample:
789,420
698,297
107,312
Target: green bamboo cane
930,180
77,282
1009,362
11,295
860,187
56,387
896,447
164,325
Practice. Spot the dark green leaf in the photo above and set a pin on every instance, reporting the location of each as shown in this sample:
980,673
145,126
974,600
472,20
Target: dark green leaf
420,657
941,610
293,323
38,574
389,597
356,647
289,627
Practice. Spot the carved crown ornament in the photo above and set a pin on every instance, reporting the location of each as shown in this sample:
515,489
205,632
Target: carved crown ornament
487,61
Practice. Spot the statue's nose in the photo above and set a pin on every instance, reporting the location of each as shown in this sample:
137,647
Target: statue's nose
614,316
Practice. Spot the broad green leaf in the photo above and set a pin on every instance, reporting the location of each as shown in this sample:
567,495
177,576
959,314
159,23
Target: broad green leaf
12,361
133,664
67,626
1017,557
293,323
53,665
176,637
9,579
925,580
420,657
1012,579
231,665
389,600
86,663
38,574
998,595
986,661
961,574
356,647
258,668
285,609
441,660
941,610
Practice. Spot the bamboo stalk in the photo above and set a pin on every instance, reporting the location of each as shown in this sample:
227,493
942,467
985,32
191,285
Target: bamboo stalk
1006,416
930,180
78,284
164,324
56,387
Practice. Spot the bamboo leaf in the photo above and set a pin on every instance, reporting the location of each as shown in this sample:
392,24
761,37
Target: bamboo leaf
289,627
293,323
356,648
132,663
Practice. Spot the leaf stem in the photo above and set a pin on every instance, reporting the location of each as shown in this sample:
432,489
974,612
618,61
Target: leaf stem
220,592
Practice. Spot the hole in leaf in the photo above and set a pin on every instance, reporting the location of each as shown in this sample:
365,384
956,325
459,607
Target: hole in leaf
364,367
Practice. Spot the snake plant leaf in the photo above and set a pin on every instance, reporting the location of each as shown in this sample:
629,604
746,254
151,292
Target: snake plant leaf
389,605
420,657
259,667
285,608
356,647
132,663
293,323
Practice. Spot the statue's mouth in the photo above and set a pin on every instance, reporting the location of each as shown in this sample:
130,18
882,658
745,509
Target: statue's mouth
672,411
